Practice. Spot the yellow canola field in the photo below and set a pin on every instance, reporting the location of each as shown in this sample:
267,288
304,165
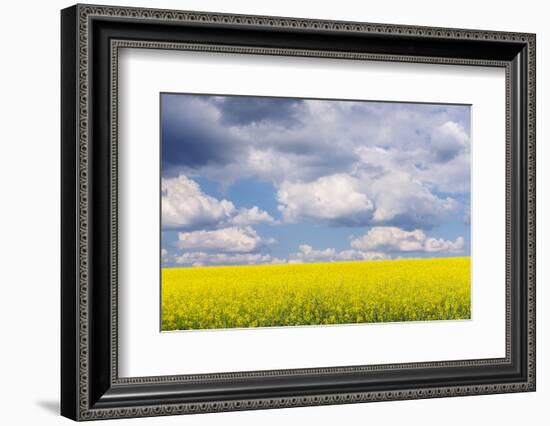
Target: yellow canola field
315,293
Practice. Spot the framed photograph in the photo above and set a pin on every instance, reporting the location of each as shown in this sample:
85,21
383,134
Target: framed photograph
263,212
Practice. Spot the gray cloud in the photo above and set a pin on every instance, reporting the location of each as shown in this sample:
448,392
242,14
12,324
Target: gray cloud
404,155
247,110
192,137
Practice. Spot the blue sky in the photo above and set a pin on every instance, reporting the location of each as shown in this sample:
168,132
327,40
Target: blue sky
256,180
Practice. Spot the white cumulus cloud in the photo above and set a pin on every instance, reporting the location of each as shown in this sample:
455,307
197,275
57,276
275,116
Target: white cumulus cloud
401,199
251,216
449,139
335,198
207,259
233,240
393,239
307,254
393,198
185,206
441,245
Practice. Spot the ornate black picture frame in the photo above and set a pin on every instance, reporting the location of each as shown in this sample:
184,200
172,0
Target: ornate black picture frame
91,387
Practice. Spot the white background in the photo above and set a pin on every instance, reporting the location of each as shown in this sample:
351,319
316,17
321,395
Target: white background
146,352
29,229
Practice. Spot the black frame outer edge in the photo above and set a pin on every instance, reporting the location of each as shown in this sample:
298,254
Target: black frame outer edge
69,312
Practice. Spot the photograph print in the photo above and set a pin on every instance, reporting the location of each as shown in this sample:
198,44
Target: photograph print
280,212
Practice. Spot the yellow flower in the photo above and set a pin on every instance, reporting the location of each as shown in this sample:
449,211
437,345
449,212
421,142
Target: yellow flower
314,294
